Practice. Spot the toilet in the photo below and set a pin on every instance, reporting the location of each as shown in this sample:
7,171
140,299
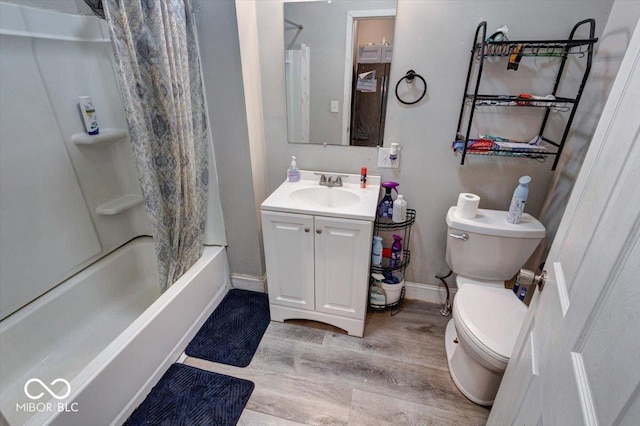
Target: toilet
484,252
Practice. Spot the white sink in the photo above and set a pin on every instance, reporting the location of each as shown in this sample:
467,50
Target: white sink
308,196
323,196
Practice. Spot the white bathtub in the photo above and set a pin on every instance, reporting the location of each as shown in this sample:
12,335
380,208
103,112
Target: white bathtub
108,332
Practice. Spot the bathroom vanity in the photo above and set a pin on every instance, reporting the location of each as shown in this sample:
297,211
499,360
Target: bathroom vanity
317,242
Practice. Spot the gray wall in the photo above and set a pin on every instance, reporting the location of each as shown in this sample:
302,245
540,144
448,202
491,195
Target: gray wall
433,38
220,53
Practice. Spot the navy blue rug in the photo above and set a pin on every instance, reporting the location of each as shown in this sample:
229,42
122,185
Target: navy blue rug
188,396
233,332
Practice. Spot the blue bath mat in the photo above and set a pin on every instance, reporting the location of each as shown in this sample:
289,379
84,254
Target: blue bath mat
188,396
233,332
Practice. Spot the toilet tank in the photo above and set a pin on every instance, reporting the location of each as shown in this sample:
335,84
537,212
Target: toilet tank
494,249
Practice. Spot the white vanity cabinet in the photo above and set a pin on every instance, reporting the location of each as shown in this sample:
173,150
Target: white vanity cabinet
317,268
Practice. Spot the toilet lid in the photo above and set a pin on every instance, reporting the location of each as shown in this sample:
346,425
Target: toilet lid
493,315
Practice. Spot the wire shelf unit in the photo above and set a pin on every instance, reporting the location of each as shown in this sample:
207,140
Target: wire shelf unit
385,228
472,99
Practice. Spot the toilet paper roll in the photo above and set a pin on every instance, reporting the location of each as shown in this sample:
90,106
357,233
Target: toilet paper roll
467,205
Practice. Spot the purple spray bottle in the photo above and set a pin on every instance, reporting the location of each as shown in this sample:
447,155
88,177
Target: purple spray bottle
385,208
396,251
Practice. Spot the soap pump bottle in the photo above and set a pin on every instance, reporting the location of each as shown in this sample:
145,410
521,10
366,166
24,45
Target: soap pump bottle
519,200
293,174
385,208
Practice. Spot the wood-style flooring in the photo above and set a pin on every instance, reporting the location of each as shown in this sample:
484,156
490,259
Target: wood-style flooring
311,373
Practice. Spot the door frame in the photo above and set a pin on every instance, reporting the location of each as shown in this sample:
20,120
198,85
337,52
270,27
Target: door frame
352,17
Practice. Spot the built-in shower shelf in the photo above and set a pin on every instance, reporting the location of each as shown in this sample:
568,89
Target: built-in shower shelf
119,205
105,137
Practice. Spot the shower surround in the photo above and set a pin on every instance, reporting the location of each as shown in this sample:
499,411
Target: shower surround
82,312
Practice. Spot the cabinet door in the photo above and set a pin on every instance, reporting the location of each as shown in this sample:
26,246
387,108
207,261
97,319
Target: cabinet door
288,251
343,252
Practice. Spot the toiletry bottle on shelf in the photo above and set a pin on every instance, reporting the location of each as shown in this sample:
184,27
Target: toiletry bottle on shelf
519,200
293,174
376,252
385,208
396,251
88,113
399,209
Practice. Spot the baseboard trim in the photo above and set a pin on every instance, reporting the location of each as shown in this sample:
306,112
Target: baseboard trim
418,291
427,292
249,282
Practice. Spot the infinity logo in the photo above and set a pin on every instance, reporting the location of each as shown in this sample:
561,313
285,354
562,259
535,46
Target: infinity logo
52,393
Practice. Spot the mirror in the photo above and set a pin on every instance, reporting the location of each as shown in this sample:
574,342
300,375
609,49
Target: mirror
337,64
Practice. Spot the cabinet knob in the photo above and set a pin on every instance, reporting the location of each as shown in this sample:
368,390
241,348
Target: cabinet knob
306,229
318,231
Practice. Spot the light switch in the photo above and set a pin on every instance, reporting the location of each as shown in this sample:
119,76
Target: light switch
335,106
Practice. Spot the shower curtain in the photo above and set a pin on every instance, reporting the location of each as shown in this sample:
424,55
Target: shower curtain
160,81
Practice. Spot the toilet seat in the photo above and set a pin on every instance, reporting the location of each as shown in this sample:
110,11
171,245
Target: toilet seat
488,320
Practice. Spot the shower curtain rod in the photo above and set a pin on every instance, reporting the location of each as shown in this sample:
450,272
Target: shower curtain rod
293,23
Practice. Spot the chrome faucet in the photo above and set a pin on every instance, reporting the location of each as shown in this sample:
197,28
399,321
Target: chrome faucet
330,182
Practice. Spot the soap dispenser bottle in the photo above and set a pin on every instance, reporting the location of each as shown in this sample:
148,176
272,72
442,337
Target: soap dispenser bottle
293,174
519,199
385,208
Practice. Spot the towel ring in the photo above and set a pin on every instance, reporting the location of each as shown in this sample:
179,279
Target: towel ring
409,76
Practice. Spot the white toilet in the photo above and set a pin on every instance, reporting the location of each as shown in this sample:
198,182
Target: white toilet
484,252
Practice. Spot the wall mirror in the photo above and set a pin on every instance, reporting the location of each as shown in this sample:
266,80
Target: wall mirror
337,64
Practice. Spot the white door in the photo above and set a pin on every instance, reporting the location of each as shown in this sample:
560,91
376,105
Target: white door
576,359
288,252
343,251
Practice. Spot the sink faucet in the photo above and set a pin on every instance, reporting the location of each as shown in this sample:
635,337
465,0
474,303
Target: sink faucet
328,181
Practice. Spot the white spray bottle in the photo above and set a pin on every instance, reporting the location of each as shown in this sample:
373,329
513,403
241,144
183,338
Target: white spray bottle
519,200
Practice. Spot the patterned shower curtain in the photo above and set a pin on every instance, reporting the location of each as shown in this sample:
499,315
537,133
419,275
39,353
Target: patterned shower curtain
158,68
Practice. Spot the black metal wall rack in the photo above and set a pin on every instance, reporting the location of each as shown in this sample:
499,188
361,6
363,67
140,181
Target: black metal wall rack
561,49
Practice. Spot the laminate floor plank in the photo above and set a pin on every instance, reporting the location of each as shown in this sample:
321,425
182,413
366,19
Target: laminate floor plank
296,399
409,381
406,341
296,332
253,418
373,409
310,373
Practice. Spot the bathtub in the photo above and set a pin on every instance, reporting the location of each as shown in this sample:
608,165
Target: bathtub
108,332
